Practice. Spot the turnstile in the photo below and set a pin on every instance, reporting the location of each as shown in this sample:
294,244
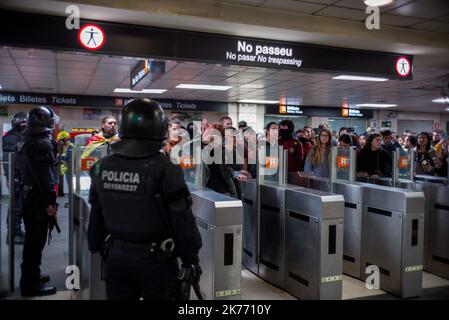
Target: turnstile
219,219
250,241
353,195
313,244
91,266
392,238
272,232
436,223
438,239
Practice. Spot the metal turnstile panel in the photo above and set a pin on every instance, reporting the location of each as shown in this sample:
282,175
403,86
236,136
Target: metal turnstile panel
302,253
221,257
272,234
206,258
382,246
412,254
331,250
221,254
352,231
250,243
314,244
227,263
438,246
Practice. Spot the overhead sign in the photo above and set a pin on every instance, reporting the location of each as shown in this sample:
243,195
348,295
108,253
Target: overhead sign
139,72
91,37
155,68
55,99
293,110
403,67
349,112
274,55
290,109
7,98
41,31
386,124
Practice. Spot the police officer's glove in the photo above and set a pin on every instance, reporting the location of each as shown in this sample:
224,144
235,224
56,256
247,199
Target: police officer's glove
193,271
197,273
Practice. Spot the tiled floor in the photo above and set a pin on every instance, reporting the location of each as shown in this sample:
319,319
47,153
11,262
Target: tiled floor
253,288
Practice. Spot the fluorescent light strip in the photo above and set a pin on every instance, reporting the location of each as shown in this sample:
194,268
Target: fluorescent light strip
441,100
377,3
259,101
125,90
375,105
202,87
358,78
252,86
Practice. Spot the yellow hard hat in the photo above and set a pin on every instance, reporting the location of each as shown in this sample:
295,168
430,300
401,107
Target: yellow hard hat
63,135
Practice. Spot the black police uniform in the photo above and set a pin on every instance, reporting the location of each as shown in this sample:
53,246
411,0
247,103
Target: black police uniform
124,205
40,151
9,142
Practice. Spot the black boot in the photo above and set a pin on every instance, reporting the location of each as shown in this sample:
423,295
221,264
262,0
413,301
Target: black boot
45,278
39,291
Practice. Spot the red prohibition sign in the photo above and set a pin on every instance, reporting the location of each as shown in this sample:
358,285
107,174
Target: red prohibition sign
403,67
91,37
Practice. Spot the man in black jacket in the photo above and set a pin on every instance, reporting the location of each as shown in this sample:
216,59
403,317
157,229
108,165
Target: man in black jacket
9,142
36,158
141,210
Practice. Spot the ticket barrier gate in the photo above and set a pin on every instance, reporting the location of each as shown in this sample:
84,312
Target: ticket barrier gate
272,232
438,241
436,222
392,238
352,231
313,244
91,266
219,219
250,242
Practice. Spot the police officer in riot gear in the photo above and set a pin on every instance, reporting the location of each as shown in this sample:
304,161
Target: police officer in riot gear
9,142
36,157
141,210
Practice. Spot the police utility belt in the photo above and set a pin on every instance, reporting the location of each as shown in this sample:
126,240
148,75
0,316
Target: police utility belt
161,249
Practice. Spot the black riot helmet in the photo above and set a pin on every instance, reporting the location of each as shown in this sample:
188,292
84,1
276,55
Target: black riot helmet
41,119
19,121
143,118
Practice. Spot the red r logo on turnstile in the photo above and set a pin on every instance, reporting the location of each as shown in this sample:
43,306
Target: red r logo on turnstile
87,163
271,163
403,162
186,162
342,162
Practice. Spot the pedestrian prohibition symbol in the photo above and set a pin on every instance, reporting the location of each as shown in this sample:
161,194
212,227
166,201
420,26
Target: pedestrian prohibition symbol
91,37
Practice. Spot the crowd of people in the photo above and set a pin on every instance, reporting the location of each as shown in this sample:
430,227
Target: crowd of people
136,152
309,149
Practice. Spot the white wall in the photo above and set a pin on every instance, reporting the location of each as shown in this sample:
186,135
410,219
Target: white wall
386,115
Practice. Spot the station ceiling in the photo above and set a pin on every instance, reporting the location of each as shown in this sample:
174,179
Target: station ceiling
45,71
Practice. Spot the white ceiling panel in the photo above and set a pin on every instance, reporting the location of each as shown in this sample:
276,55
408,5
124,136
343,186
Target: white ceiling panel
343,13
294,6
32,53
77,57
399,21
433,26
253,3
